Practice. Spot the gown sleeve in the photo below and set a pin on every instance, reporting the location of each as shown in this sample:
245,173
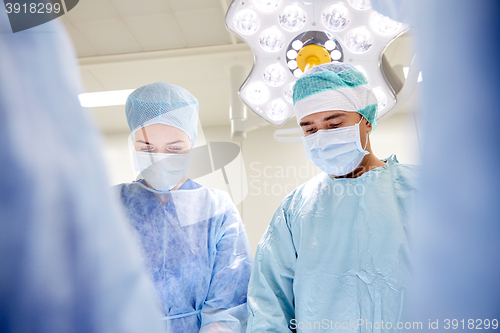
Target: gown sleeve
270,292
225,309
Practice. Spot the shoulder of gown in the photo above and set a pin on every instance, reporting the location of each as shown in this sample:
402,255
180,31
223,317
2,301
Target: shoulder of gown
404,177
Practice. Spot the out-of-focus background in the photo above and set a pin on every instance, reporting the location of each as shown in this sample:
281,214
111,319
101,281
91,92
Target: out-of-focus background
125,44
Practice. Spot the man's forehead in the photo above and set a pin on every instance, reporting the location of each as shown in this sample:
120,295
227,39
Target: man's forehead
325,114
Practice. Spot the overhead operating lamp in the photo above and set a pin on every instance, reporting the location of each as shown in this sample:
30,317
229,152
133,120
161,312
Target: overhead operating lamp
288,37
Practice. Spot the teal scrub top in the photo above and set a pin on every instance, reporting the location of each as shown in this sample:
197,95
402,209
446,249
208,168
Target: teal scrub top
336,256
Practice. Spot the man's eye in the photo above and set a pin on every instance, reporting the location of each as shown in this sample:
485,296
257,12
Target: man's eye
310,130
335,125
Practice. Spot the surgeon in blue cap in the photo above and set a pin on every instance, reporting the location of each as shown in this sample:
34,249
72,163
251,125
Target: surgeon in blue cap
194,243
336,254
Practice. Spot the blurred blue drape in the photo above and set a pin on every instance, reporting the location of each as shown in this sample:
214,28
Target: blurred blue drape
457,244
68,260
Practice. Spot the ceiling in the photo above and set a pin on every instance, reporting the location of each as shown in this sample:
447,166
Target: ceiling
104,27
125,44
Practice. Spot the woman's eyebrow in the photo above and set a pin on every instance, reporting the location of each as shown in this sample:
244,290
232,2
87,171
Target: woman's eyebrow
174,142
141,141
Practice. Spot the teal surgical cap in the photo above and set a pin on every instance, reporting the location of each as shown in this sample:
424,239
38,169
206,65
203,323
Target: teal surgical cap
334,86
163,103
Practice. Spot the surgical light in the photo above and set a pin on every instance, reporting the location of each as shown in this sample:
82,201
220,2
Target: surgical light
336,17
312,55
266,5
297,45
381,98
336,55
247,22
277,110
288,92
292,18
272,40
275,75
359,40
363,71
291,54
360,4
383,24
288,37
314,50
257,93
330,45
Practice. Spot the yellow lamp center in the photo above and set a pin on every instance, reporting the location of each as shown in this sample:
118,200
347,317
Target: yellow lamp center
312,55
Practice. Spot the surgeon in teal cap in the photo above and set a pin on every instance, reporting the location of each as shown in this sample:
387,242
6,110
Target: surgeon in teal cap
194,243
336,254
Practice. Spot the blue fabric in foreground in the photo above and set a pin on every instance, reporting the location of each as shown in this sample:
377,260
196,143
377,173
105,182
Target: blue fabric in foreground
68,262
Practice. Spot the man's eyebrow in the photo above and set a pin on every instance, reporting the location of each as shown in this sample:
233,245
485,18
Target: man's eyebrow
333,116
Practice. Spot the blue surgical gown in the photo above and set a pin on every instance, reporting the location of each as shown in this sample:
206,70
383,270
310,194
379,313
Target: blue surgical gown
197,252
337,250
68,262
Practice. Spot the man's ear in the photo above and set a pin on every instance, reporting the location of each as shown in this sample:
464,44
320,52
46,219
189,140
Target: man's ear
368,127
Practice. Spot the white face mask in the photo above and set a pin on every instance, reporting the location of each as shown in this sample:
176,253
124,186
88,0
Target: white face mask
336,151
162,171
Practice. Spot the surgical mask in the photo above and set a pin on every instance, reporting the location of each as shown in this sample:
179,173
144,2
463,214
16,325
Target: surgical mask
336,151
162,171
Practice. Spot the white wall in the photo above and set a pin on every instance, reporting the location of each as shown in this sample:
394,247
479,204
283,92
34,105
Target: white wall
274,169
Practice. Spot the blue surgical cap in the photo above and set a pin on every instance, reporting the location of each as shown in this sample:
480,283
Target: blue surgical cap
163,103
334,86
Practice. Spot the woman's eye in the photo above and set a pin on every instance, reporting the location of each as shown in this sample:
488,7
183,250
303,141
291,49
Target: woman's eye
147,149
174,149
